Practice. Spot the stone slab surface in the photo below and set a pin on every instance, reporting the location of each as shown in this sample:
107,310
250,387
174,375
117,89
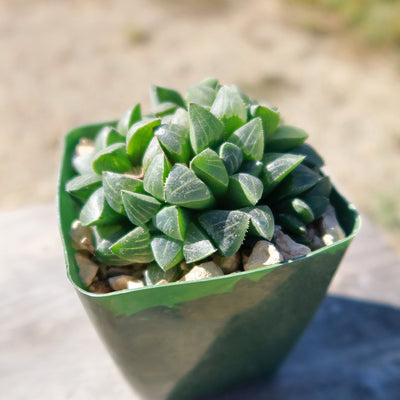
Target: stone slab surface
351,350
49,350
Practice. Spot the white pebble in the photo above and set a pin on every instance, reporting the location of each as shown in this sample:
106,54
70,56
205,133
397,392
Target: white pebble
135,284
263,253
206,270
81,236
85,147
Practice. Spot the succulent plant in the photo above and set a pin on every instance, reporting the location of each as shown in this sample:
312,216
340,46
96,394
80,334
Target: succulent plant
200,176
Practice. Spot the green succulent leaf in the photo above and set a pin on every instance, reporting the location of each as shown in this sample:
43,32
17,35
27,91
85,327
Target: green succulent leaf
164,109
184,188
285,138
322,188
209,82
82,186
114,183
211,170
138,138
105,236
154,274
290,223
270,118
313,159
227,229
230,108
139,208
318,196
276,167
252,167
261,221
180,117
318,204
113,158
174,140
134,246
161,94
96,210
128,119
206,130
106,137
155,176
201,94
197,245
112,231
250,139
167,251
244,190
172,221
302,210
232,157
298,181
153,149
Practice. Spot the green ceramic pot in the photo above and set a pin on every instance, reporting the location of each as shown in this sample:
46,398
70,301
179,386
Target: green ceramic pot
187,340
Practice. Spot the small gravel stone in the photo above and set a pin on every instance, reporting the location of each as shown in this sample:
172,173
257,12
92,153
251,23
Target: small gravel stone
184,267
245,254
288,247
228,264
120,282
135,284
100,287
87,269
206,270
264,253
81,236
330,229
162,282
85,147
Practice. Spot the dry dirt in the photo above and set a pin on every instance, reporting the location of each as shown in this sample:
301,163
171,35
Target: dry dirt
65,63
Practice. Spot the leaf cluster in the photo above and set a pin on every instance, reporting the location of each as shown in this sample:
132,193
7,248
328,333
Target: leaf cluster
200,174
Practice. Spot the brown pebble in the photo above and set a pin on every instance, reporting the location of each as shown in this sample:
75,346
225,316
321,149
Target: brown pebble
120,282
288,247
330,229
87,269
100,287
228,264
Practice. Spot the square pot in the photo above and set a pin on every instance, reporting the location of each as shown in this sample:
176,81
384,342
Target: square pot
186,340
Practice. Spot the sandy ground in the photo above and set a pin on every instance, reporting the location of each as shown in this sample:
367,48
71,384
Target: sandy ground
65,63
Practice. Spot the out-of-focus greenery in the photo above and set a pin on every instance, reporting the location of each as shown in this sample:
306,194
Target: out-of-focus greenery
376,21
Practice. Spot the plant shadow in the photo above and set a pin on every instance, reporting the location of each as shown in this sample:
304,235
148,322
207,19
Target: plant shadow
350,350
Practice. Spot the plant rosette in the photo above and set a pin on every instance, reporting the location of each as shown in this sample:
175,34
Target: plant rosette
200,237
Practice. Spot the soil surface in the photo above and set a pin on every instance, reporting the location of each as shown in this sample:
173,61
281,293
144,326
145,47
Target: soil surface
65,63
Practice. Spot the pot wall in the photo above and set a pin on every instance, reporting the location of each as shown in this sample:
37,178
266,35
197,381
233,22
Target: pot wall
186,340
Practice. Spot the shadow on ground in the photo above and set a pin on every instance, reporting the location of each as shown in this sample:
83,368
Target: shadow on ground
351,350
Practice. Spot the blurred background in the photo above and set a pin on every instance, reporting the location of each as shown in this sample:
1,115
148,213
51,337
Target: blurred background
331,66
